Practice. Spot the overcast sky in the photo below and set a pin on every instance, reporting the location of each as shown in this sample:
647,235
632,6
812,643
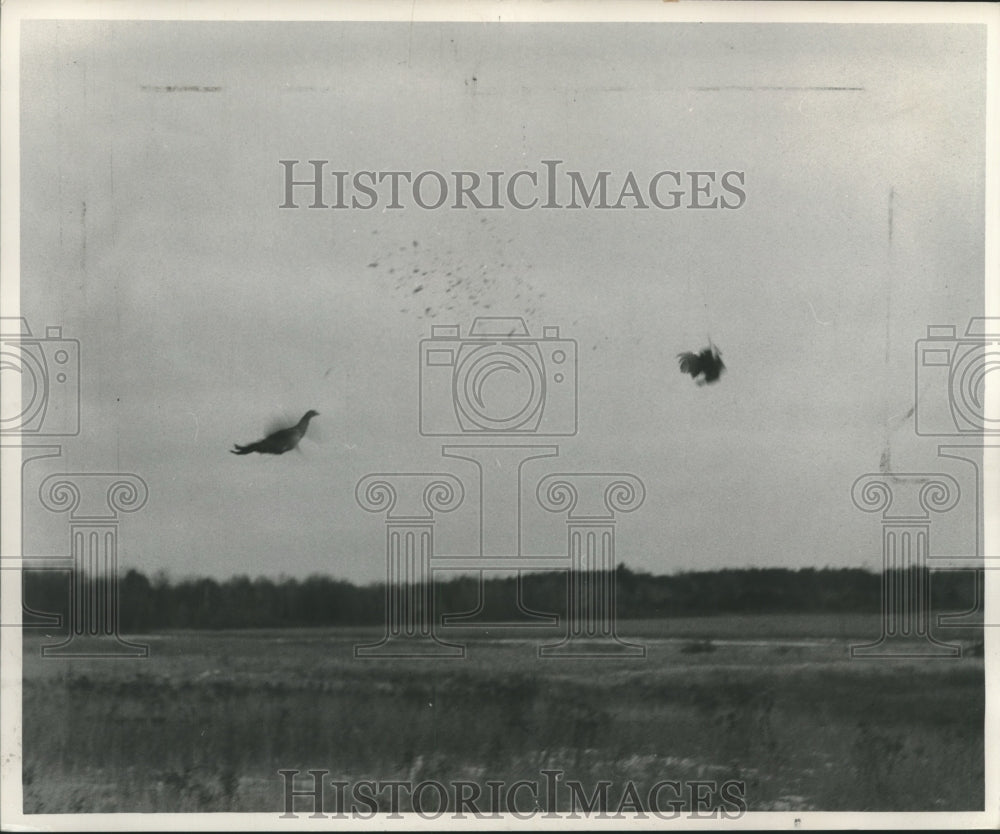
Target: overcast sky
151,232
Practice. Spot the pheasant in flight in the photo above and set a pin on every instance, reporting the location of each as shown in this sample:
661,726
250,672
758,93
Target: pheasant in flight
279,442
708,362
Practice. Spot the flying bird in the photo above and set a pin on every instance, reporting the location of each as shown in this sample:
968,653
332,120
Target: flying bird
707,363
279,442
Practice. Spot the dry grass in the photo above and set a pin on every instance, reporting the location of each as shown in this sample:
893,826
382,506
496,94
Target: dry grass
206,722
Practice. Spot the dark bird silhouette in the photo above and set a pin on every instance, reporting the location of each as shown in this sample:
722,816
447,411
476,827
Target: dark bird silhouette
707,363
279,442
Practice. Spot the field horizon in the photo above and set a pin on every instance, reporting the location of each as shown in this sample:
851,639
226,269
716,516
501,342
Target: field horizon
774,702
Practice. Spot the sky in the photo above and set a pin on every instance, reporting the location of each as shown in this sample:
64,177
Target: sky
151,231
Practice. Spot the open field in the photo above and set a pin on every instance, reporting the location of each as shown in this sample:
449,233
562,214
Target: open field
205,722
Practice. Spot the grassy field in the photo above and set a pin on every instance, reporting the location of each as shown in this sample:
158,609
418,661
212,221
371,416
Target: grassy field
205,722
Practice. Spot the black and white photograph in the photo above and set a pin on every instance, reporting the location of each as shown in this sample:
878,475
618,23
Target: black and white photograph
499,415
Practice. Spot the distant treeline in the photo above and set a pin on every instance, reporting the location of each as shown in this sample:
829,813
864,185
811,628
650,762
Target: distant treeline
241,602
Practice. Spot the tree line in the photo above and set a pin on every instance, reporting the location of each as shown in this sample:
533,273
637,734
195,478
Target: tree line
240,602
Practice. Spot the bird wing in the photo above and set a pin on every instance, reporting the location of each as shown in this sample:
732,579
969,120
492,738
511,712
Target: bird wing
281,441
713,366
689,363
